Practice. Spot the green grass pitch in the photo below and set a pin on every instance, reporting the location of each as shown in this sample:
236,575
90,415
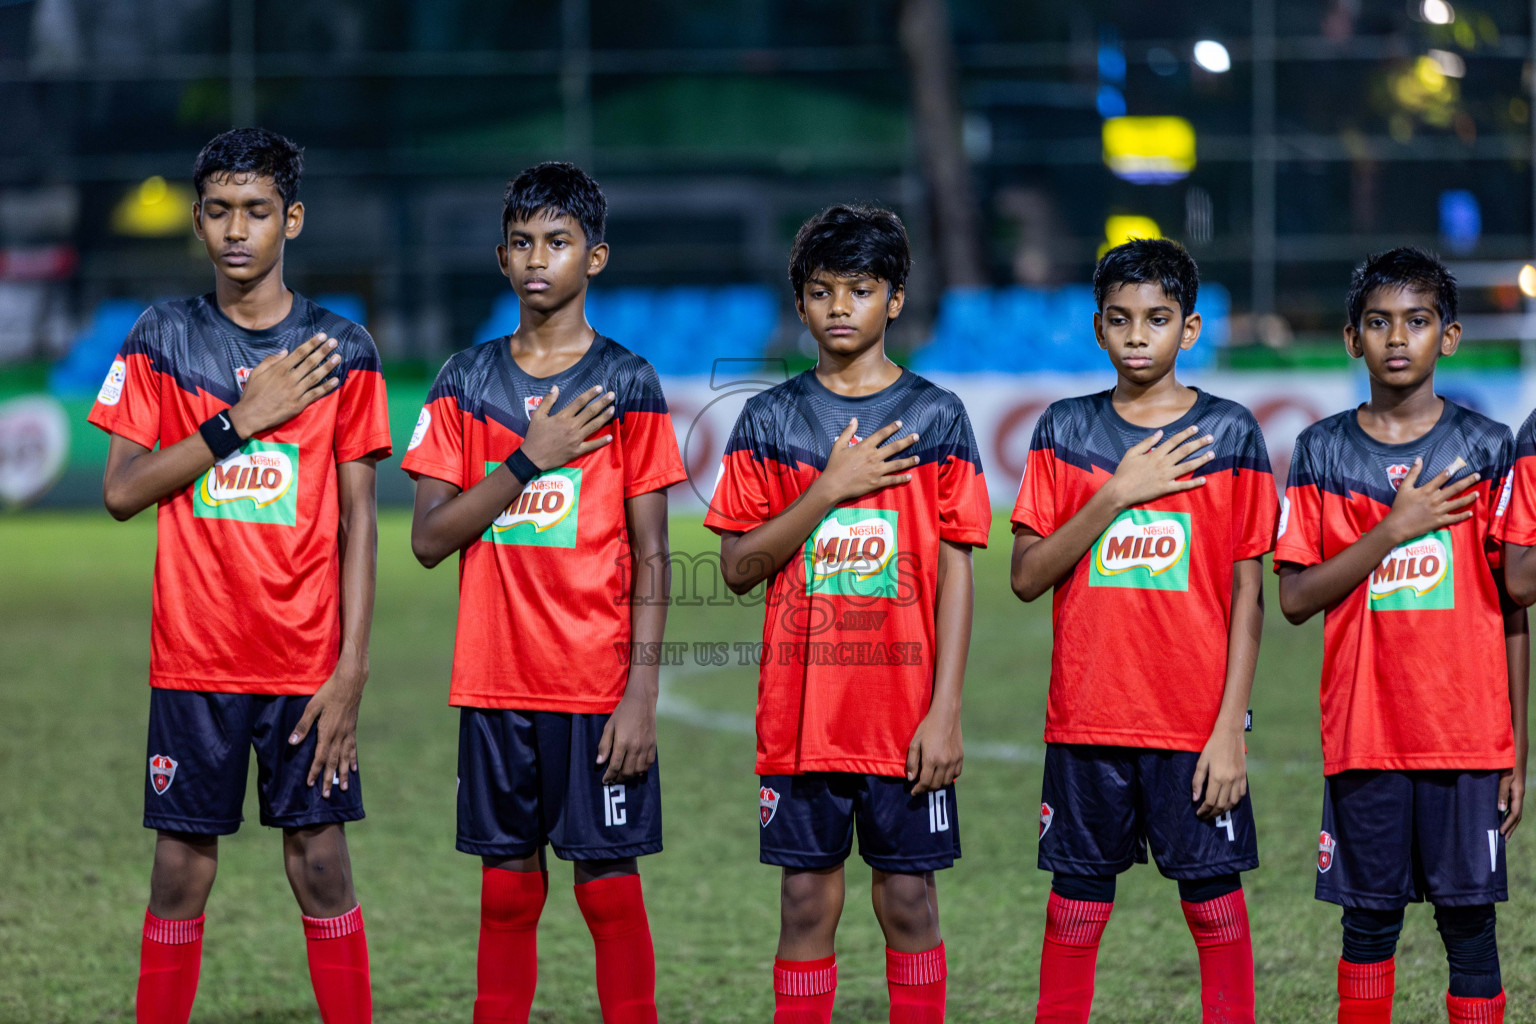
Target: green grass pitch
74,646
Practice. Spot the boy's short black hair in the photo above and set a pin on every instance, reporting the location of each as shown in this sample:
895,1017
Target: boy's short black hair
1404,267
254,151
1159,261
558,188
848,240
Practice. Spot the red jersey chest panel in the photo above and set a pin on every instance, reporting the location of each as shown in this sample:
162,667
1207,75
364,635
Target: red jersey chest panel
1519,499
544,594
847,659
255,536
1414,669
1140,627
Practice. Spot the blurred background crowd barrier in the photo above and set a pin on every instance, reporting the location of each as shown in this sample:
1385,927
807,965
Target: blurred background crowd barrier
1280,142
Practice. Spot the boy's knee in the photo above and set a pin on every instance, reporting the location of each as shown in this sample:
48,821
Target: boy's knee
182,876
905,908
1370,936
808,899
316,863
1471,949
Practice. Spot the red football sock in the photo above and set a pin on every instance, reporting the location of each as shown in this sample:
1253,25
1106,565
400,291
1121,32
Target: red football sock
1463,1010
338,967
170,958
916,983
803,990
1220,928
626,961
1365,992
507,968
1067,960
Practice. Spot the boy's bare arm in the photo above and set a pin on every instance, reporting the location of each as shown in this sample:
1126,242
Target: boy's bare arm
334,706
1517,649
1221,774
1415,511
280,388
937,753
628,744
446,519
1146,473
1520,574
852,471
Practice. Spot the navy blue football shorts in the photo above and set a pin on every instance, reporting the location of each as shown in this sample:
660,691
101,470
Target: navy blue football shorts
199,756
1102,807
1394,838
527,778
808,822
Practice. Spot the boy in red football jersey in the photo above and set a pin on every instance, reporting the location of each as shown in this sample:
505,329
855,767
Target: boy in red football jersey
1393,526
1149,505
254,419
864,539
543,460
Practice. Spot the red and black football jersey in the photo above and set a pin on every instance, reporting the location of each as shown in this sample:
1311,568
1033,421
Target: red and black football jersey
246,595
1140,627
1414,667
544,594
848,636
1520,514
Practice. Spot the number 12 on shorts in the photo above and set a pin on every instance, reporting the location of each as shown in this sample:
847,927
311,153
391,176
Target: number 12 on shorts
613,806
938,811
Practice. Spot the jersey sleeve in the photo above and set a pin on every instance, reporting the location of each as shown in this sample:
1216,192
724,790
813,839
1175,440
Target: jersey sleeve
436,448
965,511
740,502
1499,477
1519,518
362,419
1256,504
1036,505
651,457
1300,539
128,403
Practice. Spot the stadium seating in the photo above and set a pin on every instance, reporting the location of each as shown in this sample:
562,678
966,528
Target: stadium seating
682,331
1021,330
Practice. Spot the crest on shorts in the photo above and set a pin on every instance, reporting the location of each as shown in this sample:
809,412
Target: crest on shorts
531,403
1047,815
242,374
1396,473
161,771
1325,846
767,803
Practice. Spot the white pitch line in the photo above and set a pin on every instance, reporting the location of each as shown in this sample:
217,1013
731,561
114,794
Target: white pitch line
680,709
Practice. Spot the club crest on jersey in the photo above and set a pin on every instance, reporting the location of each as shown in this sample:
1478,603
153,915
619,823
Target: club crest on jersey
112,388
531,403
545,513
767,804
1325,847
1143,549
423,424
257,484
242,374
162,772
1396,474
1415,575
1047,815
853,551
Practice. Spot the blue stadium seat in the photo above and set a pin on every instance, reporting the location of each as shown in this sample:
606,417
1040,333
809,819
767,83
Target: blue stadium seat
1040,330
83,369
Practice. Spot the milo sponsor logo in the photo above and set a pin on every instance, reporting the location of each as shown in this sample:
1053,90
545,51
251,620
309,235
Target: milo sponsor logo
1144,550
1415,575
544,513
853,552
257,484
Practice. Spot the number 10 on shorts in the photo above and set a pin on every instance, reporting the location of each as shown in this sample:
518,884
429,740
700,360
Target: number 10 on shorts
938,811
613,806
